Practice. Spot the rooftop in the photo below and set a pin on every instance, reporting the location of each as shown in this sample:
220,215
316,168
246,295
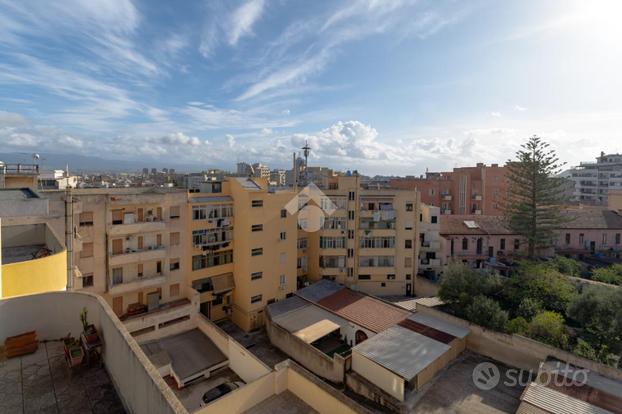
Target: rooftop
319,290
41,383
473,225
402,351
17,194
592,217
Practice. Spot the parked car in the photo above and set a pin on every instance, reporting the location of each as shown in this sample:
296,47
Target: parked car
220,390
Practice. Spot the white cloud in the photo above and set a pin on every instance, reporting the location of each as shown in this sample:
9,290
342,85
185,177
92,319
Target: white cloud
519,108
230,140
266,131
242,20
495,114
179,138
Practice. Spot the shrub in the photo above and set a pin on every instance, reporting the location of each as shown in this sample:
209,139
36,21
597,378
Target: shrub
585,350
548,327
487,313
566,266
528,308
459,285
517,326
611,274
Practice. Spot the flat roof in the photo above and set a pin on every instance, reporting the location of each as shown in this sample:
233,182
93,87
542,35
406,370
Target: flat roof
283,306
401,351
440,324
247,183
319,290
17,194
190,352
220,199
309,322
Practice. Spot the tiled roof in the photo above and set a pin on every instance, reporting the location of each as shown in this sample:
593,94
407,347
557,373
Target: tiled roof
363,310
454,224
591,217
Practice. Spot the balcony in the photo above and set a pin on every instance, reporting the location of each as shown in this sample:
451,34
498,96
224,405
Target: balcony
477,197
446,211
430,262
137,227
136,284
431,245
164,313
134,256
446,197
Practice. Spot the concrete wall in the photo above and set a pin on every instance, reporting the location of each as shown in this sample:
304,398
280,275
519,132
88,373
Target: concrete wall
382,377
35,276
54,314
243,398
332,369
515,350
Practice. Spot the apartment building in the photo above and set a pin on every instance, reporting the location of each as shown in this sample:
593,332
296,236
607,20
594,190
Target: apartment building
593,180
468,190
430,250
243,251
369,242
127,246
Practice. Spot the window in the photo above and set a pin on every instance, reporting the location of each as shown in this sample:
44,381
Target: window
408,262
303,243
332,261
283,213
364,277
409,206
174,264
617,238
420,217
257,227
173,290
159,267
465,243
376,261
383,284
408,276
351,234
139,270
283,258
174,239
408,244
350,214
408,225
174,212
351,195
256,298
502,244
256,203
86,218
256,275
212,212
350,252
117,216
332,242
87,250
516,244
581,239
117,276
350,272
377,242
335,223
201,261
282,235
433,219
87,280
391,276
257,251
567,238
206,237
604,239
282,280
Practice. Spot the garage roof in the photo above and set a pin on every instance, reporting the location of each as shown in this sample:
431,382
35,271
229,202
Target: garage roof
440,324
308,321
402,351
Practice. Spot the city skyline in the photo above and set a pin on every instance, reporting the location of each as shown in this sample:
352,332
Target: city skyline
214,83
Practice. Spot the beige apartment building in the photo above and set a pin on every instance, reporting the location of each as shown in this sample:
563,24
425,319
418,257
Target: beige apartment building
242,253
370,241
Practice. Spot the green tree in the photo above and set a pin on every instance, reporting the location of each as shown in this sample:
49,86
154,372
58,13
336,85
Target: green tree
487,312
585,350
535,194
598,310
460,284
528,308
566,265
517,326
549,327
540,284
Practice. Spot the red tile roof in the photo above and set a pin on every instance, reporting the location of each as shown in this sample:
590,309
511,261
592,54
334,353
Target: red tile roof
370,313
454,225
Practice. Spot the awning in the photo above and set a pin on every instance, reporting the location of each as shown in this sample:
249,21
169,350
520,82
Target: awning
223,283
316,331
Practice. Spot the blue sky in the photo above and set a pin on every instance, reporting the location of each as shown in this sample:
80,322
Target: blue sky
385,87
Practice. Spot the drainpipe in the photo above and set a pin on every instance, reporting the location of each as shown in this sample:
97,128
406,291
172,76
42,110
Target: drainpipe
69,236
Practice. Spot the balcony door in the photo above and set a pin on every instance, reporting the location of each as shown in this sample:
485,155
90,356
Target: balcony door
117,305
117,246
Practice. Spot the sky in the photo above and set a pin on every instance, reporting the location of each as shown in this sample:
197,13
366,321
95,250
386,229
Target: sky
379,86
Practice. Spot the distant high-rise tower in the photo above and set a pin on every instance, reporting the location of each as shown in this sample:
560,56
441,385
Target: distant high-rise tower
305,173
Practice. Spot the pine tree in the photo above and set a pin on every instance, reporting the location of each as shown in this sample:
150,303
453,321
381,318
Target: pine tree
535,195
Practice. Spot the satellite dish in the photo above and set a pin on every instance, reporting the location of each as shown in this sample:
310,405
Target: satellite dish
35,157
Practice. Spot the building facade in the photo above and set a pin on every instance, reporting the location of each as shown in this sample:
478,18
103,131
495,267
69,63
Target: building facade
469,190
593,180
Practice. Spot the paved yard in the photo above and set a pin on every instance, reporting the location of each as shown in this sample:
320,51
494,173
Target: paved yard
191,395
453,391
42,383
285,402
257,342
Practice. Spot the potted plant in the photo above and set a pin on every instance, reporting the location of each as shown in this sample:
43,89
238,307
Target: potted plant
89,330
73,350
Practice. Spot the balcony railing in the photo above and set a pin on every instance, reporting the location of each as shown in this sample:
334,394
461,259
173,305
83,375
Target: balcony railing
26,169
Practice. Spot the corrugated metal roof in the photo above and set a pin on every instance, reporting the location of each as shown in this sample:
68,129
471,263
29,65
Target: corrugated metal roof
402,351
556,402
303,317
247,183
440,324
319,290
427,331
283,306
594,380
363,310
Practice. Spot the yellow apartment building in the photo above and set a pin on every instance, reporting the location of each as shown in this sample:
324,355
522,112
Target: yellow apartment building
369,243
242,249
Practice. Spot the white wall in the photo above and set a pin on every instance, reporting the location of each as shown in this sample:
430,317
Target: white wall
380,376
